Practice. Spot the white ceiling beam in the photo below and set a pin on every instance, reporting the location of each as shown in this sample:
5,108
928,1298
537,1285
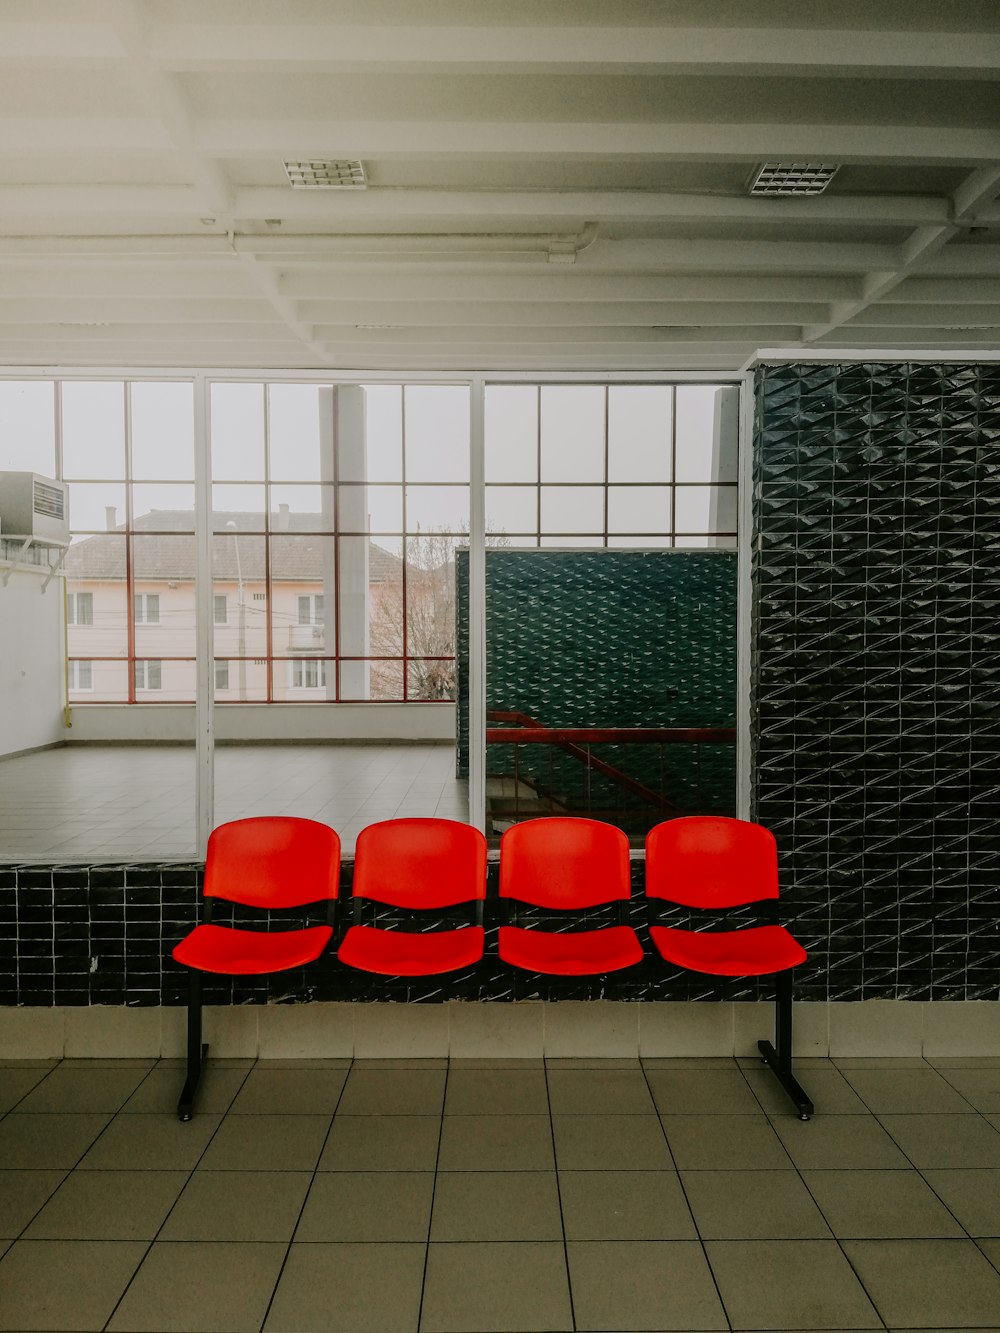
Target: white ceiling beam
941,316
527,314
816,48
472,336
133,309
152,331
946,290
352,208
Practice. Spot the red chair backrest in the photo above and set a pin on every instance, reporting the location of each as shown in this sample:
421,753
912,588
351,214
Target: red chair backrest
420,863
711,861
273,861
564,863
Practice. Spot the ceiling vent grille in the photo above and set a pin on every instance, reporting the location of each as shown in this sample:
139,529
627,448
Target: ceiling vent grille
316,174
793,178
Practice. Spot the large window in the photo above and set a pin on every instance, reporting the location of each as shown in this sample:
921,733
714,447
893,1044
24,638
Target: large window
611,465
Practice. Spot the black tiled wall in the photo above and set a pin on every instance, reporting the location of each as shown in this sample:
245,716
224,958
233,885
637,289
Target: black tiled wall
876,684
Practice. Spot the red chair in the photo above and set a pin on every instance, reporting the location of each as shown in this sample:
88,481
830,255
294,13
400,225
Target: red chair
416,864
712,863
269,863
567,865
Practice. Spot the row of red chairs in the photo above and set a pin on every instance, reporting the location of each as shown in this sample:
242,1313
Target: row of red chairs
556,864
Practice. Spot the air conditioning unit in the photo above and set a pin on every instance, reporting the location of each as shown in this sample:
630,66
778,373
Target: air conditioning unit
34,506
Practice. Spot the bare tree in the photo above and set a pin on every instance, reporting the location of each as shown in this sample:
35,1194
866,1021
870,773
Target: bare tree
429,638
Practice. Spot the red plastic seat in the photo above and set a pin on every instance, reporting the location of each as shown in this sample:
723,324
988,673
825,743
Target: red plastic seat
711,863
566,865
271,863
417,864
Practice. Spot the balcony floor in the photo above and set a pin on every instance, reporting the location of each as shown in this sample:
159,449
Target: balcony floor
97,803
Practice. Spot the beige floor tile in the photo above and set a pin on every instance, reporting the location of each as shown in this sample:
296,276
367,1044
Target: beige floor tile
826,1086
289,1091
610,1143
929,1283
47,1141
108,1205
367,1206
906,1091
643,1285
393,1092
509,1091
753,1205
839,1142
599,1092
53,1284
724,1142
624,1205
159,1091
151,1143
795,1285
979,1087
496,1287
200,1287
880,1204
382,1143
267,1143
702,1092
945,1140
238,1206
972,1194
345,1288
22,1194
18,1081
496,1205
72,1088
496,1143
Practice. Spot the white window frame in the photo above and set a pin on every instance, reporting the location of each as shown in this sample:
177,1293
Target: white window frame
74,673
73,608
145,663
140,608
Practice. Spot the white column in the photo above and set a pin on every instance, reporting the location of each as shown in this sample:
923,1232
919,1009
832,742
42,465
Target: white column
204,623
343,430
477,605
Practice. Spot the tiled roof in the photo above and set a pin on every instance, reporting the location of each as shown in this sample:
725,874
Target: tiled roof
164,556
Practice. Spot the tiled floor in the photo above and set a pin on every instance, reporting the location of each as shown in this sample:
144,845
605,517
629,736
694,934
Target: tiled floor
394,1196
116,802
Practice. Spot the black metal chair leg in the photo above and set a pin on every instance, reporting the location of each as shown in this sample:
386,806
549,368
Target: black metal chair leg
778,1057
197,1051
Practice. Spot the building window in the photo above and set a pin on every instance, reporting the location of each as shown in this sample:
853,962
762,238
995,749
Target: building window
148,674
147,609
221,672
81,675
221,612
307,674
311,610
80,609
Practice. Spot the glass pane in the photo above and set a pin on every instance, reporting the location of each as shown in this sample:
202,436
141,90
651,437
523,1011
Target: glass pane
511,509
511,432
706,509
385,681
163,596
238,574
164,681
431,678
706,434
164,508
243,681
302,568
97,605
639,509
572,509
700,541
162,431
385,507
294,433
571,542
96,506
437,432
108,683
437,508
239,508
639,432
302,508
27,427
381,635
304,680
430,598
93,429
384,431
237,432
572,432
643,543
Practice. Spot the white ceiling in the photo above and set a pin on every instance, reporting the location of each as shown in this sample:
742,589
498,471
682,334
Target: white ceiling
554,184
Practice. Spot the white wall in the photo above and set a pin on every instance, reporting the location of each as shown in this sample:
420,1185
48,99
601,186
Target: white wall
266,722
31,663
